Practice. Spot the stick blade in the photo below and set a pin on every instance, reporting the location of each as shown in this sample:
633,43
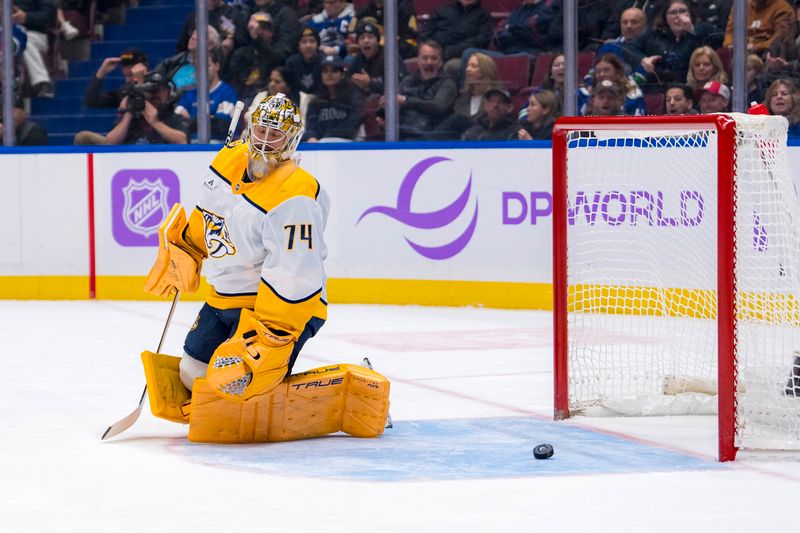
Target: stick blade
121,425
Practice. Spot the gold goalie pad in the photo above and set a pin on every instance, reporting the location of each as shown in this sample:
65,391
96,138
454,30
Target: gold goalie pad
319,402
169,398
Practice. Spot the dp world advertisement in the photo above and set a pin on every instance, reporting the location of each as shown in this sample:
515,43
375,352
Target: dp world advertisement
451,225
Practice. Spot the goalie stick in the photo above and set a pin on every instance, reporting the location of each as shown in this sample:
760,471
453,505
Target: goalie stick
366,362
121,425
237,110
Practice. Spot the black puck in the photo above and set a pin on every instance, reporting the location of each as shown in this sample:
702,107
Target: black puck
543,451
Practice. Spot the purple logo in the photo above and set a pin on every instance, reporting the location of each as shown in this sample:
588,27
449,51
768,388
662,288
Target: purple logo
432,220
637,207
760,239
140,199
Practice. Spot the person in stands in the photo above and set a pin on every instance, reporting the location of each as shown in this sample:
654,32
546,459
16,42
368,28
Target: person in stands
704,66
679,99
783,98
716,98
337,111
540,115
425,97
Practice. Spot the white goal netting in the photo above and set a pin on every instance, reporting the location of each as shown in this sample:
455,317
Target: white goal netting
642,275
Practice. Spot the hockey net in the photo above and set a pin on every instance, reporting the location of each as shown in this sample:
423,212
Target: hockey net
677,273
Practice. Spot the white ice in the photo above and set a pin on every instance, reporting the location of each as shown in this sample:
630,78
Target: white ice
471,396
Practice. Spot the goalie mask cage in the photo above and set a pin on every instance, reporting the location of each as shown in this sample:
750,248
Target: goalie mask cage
677,261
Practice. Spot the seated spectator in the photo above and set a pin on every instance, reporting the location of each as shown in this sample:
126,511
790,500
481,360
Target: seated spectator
679,99
111,11
26,132
766,21
72,21
716,98
406,24
228,21
333,24
497,121
607,99
336,112
149,117
525,29
782,60
542,111
179,69
663,53
755,91
554,81
783,98
366,67
592,17
457,26
133,64
66,10
37,17
306,62
632,24
610,67
715,16
704,66
19,41
479,76
281,80
221,102
249,66
285,27
426,97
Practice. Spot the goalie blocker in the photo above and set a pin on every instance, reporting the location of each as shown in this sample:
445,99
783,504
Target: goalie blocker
325,400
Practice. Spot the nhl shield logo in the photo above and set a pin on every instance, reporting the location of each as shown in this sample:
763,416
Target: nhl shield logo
141,198
145,206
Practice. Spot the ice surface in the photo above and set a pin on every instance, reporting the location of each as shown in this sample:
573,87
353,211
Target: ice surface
471,396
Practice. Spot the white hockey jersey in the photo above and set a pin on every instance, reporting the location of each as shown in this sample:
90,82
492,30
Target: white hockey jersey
264,240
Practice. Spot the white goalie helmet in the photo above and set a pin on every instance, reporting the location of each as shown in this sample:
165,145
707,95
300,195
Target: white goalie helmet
274,130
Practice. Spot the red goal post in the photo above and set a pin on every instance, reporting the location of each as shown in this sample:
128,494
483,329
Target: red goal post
626,320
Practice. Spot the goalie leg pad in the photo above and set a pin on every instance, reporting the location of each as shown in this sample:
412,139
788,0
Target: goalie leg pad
169,398
319,402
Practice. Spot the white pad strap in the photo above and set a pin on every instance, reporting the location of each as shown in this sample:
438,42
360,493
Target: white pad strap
191,368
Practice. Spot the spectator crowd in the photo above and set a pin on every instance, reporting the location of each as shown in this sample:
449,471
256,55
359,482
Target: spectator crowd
468,69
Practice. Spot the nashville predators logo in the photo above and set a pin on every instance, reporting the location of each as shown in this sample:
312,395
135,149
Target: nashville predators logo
218,238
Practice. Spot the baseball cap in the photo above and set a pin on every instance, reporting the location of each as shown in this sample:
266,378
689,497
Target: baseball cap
263,18
368,28
334,61
715,87
505,94
157,77
607,85
310,32
132,56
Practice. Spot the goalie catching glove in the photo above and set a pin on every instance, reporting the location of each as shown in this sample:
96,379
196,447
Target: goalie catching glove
252,362
179,260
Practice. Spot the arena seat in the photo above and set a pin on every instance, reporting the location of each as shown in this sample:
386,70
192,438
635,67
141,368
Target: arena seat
654,104
514,71
541,67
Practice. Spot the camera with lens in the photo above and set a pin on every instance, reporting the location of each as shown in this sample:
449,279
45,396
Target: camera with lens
139,93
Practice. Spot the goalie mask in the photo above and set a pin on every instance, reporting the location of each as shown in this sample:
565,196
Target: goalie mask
273,133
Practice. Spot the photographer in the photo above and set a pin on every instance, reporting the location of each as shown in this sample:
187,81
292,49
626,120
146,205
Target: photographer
147,115
132,63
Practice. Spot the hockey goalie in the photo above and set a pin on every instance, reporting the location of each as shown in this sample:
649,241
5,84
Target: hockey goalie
258,233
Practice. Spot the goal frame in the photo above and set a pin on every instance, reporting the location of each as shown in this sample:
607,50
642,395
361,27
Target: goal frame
725,127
